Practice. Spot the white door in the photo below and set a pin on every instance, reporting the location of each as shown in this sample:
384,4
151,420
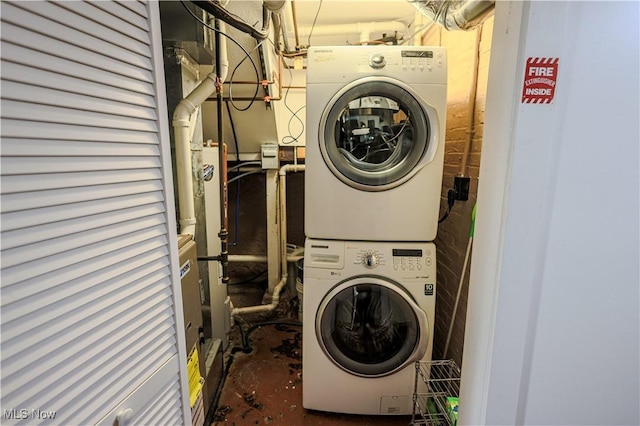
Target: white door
90,306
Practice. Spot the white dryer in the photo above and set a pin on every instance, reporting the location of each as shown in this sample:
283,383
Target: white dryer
368,316
375,118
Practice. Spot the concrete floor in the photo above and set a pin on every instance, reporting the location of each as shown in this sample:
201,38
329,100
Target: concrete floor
264,386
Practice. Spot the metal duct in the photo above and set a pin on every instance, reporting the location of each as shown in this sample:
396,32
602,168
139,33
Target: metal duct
455,15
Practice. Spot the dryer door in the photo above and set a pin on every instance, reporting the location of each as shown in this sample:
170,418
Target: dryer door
370,327
375,134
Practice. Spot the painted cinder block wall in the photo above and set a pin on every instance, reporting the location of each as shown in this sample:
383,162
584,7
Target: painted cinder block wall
453,233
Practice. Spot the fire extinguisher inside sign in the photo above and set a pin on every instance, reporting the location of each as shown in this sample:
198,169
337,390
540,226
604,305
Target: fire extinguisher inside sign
540,80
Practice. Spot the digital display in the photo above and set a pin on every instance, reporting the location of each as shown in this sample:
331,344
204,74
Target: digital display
407,252
417,54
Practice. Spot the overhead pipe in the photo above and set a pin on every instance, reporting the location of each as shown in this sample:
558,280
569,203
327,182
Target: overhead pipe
223,15
275,298
455,15
364,29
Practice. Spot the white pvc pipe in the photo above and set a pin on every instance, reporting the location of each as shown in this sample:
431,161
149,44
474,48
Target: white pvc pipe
275,298
181,124
364,29
248,258
182,135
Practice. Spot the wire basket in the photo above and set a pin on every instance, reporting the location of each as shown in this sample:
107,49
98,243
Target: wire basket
435,381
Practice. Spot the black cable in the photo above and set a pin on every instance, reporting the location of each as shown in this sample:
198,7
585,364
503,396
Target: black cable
221,13
314,23
250,280
294,114
255,93
247,54
246,344
451,200
235,140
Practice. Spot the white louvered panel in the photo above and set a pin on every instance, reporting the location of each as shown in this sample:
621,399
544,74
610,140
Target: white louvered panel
88,10
65,266
42,78
22,37
162,410
37,129
106,225
146,396
126,11
63,13
62,69
53,114
30,147
46,215
87,247
44,23
75,101
53,197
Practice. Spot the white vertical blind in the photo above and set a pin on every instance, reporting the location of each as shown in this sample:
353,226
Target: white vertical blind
88,310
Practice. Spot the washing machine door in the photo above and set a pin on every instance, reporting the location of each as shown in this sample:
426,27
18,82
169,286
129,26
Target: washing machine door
374,134
371,327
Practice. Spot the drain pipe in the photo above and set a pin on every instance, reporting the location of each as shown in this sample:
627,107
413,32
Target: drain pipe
275,298
181,124
182,136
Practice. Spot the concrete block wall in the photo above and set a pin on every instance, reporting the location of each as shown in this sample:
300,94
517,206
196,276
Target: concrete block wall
453,233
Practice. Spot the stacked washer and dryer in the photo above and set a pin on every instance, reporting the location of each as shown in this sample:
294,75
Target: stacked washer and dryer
374,159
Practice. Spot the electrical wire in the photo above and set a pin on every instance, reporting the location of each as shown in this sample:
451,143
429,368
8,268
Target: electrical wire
289,139
451,199
247,54
314,23
235,140
255,93
252,172
246,344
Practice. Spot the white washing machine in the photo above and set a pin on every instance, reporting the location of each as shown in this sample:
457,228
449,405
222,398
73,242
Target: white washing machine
368,316
375,118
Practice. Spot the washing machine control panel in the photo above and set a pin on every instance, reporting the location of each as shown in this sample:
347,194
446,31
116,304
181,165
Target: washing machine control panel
411,259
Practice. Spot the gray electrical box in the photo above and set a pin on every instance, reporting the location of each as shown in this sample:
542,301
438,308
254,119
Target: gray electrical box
269,156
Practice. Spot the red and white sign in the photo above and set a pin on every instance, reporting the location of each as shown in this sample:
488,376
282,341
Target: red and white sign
540,80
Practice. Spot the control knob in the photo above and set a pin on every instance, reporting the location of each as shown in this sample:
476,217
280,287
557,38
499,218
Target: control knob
370,260
377,61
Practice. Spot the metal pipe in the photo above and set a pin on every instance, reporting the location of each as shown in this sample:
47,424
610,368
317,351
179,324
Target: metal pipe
295,23
222,171
455,15
473,90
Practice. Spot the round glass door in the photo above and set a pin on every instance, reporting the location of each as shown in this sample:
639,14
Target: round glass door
370,329
374,134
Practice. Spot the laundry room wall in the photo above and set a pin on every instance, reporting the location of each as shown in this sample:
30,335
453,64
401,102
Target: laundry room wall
453,234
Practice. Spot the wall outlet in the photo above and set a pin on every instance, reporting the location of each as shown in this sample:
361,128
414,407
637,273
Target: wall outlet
461,187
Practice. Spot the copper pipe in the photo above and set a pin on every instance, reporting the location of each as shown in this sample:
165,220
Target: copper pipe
295,23
266,98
